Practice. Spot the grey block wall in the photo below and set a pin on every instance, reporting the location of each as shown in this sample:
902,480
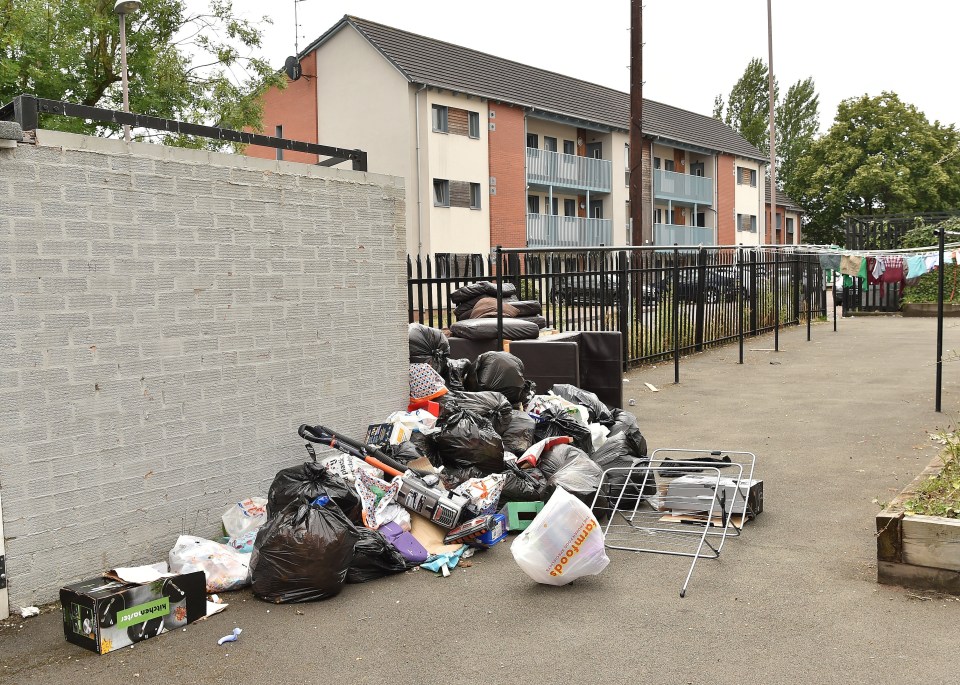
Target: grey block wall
168,318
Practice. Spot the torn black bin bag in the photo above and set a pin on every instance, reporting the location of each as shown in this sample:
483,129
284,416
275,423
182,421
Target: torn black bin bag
503,372
303,553
461,375
530,485
310,480
626,486
429,346
492,406
374,557
467,439
626,423
518,436
551,425
404,453
599,413
474,291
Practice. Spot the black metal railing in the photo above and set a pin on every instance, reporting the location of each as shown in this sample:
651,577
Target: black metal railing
666,301
26,111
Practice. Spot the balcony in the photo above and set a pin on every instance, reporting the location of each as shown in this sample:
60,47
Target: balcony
568,172
550,230
671,234
686,188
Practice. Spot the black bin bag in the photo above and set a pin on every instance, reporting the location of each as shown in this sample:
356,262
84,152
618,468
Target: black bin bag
374,557
579,476
492,406
528,486
502,372
599,413
310,480
468,440
461,375
518,436
553,425
626,423
623,488
303,553
429,346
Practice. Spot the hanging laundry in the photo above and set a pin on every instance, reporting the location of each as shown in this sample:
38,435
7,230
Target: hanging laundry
830,262
916,267
931,261
850,265
862,274
875,269
893,269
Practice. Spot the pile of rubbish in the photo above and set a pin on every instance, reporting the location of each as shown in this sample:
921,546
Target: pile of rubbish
476,312
477,453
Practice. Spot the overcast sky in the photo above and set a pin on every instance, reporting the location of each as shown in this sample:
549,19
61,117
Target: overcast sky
694,49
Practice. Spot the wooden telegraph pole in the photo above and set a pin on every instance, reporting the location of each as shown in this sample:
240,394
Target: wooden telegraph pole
636,121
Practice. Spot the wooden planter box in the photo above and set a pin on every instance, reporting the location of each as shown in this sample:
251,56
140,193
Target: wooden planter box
914,551
929,309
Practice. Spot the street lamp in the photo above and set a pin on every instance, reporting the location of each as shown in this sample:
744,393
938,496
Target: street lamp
123,8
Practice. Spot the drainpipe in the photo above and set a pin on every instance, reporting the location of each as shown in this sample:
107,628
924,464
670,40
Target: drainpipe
419,180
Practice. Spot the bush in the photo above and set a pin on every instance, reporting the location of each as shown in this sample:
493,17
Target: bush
925,289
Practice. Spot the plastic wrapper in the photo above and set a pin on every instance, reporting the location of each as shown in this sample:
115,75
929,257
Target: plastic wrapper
598,433
502,372
225,568
461,375
245,516
374,557
518,436
599,413
551,424
428,346
344,468
626,423
580,476
493,406
303,553
468,440
564,542
480,289
486,329
483,493
375,496
311,480
531,486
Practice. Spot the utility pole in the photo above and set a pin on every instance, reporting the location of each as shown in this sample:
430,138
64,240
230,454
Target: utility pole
773,131
636,121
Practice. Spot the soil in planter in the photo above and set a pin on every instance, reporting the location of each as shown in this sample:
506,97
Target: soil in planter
940,494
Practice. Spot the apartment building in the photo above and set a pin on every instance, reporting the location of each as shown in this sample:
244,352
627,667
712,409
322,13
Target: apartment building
495,152
789,216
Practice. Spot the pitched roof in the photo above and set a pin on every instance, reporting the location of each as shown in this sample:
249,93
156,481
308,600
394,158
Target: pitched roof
453,67
783,200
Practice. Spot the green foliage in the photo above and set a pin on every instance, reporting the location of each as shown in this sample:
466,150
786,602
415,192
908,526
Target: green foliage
880,156
194,67
940,494
923,236
926,287
748,105
798,120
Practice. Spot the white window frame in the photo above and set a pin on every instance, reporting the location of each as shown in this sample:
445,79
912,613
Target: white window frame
441,199
440,119
473,124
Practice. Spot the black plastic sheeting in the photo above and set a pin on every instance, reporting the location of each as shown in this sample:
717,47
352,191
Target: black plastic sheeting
303,553
502,372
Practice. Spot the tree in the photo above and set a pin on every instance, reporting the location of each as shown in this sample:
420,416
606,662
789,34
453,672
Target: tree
193,67
880,156
797,123
747,107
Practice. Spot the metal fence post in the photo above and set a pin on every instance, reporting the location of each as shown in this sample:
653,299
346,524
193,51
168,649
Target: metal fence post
499,256
676,316
603,290
754,295
623,286
776,300
740,301
795,272
809,296
701,296
409,290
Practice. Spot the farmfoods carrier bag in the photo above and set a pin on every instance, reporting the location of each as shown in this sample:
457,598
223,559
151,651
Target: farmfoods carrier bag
564,542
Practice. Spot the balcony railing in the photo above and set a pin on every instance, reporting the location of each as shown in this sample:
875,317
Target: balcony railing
568,171
671,234
669,185
550,230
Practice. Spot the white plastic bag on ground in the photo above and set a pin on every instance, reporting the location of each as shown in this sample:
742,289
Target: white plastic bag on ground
224,567
245,516
564,542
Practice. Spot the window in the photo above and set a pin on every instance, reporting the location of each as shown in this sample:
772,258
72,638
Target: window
753,223
790,224
668,164
595,150
569,147
747,222
550,143
596,209
440,118
441,193
474,196
701,219
533,204
779,221
656,162
626,156
473,123
554,206
532,140
746,177
658,216
569,207
279,131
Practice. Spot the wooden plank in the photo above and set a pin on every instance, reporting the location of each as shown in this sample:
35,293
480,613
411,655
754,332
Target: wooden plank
889,546
931,541
918,577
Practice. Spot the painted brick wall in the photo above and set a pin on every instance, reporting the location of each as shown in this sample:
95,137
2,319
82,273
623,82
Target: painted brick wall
294,108
168,318
726,187
507,149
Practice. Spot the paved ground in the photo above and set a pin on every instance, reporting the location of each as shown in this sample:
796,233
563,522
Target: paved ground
836,423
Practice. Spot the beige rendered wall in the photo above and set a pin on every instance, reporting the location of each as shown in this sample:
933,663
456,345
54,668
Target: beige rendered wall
619,191
554,129
456,158
748,199
363,102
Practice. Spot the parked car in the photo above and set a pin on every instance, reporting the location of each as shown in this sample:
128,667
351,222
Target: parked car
585,289
718,284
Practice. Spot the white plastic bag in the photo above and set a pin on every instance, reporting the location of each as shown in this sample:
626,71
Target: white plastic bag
224,567
245,516
564,542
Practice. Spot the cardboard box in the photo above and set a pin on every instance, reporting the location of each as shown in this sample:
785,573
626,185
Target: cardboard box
693,493
103,615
